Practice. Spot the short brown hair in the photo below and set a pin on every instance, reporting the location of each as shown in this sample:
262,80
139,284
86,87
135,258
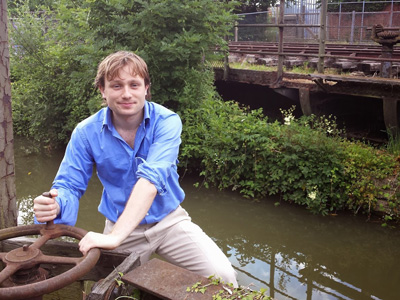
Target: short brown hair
111,65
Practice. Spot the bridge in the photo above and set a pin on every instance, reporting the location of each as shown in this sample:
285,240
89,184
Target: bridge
312,91
368,72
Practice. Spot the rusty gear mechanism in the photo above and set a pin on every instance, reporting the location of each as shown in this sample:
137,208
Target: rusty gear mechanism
22,264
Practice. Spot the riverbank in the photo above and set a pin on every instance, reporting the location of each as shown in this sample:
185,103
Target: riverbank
307,160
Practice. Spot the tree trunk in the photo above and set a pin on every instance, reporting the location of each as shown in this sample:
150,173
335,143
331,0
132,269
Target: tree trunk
8,212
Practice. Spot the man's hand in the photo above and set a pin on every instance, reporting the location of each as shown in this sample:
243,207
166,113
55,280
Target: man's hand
45,208
138,205
98,240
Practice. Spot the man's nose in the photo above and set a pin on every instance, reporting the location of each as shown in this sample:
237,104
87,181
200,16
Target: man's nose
126,91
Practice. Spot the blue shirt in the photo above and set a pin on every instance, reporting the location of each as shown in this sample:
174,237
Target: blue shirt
95,142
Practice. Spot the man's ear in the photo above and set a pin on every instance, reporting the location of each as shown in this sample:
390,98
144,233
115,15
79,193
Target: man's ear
101,89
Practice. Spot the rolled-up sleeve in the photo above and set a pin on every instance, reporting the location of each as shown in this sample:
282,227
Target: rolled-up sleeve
162,156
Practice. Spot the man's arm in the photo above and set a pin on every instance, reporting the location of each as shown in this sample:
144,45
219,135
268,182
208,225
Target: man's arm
138,205
69,184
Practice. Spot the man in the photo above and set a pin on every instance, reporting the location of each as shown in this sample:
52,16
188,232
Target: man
134,145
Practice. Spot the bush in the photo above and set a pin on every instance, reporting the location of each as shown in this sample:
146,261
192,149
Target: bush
304,160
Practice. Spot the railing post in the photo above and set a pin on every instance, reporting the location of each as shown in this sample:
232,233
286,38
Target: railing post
322,37
391,15
280,45
236,32
353,21
340,20
226,63
362,21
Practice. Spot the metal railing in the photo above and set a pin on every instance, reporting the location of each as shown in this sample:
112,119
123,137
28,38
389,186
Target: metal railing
276,26
346,21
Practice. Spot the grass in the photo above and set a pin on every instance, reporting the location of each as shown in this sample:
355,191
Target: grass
393,145
303,69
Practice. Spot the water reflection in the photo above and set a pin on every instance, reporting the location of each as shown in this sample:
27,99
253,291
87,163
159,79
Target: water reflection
294,254
298,255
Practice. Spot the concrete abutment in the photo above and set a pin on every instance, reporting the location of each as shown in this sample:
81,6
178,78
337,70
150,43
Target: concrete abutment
391,114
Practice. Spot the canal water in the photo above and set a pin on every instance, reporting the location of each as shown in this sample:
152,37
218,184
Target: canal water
284,248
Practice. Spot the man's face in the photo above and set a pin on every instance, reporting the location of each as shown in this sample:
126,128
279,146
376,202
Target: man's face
125,94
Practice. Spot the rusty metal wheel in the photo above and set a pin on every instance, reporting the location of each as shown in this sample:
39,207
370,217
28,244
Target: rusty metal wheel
29,256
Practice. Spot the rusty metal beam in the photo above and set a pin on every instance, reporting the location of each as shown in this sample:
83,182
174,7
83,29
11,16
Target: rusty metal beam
316,55
168,282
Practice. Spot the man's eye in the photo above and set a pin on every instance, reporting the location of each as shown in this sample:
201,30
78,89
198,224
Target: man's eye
115,86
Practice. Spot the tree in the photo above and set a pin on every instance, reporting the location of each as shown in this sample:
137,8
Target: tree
248,6
57,52
8,216
33,4
173,36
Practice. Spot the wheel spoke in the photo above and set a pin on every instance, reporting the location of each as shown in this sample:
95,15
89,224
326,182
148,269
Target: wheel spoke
40,241
59,260
8,271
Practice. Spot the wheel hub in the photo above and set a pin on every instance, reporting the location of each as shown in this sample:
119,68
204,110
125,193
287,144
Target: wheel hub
23,254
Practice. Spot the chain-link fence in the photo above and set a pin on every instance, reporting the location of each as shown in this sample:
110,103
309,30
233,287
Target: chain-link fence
347,21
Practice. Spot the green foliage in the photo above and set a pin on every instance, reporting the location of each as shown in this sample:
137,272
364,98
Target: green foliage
56,52
228,292
305,160
366,174
248,6
257,33
52,69
123,291
393,145
32,4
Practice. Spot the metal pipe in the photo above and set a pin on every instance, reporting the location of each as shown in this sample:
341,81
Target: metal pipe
278,25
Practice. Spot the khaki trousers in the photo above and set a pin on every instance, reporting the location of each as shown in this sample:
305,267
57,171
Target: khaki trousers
181,242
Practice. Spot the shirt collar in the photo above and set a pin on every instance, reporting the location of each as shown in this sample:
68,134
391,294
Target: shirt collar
107,122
